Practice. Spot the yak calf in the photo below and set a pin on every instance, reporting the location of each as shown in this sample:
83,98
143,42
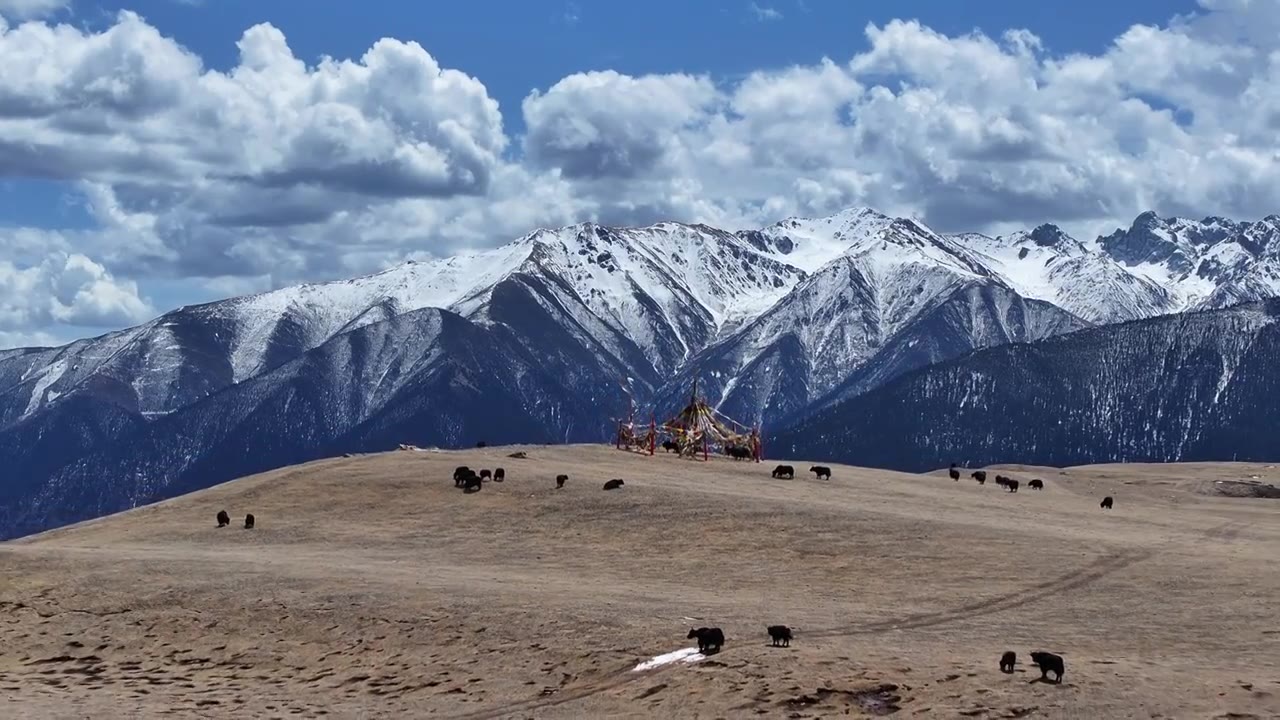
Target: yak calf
1007,661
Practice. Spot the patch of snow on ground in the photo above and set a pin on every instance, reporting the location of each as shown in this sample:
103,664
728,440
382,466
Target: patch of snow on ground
684,655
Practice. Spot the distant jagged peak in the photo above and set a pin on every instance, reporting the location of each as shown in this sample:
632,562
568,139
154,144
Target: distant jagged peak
1177,244
1048,235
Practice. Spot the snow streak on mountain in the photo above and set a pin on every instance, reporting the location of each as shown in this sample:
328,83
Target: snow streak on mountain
553,336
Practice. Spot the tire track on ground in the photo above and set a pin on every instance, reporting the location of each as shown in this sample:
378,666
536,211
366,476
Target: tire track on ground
1078,578
1227,531
1073,580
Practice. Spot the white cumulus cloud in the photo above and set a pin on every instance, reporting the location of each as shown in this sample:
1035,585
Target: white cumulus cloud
66,289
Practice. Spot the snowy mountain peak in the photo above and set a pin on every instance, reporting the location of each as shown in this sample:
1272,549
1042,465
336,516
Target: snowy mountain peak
810,243
1212,262
1173,243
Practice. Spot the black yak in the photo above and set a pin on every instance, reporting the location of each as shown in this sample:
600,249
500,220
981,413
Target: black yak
779,635
485,474
1007,661
953,473
1106,503
613,484
1036,484
459,473
560,480
708,638
499,475
784,470
248,521
1048,662
223,518
980,476
821,472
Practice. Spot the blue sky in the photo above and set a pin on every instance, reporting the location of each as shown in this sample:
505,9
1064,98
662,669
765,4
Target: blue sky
143,180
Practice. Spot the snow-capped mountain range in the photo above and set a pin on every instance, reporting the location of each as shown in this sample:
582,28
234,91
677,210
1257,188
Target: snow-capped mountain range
774,323
1187,387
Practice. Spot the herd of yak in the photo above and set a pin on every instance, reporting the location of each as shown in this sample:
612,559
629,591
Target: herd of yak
471,481
224,520
710,640
1012,485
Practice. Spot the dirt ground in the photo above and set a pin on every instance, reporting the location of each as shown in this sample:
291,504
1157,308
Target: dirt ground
371,587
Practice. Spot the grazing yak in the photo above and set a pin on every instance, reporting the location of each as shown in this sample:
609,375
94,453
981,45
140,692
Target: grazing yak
779,635
1048,662
821,472
485,475
223,518
953,473
1007,661
980,476
708,638
1011,485
738,453
560,480
614,484
1036,484
784,471
248,521
670,446
472,483
499,475
459,473
1002,481
1106,503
